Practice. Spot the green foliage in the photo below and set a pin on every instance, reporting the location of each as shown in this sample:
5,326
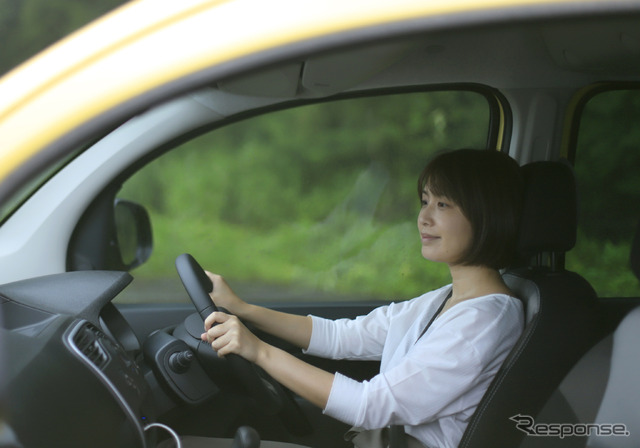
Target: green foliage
606,265
319,198
29,26
607,164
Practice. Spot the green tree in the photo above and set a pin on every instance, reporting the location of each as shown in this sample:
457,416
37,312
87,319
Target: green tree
607,162
29,26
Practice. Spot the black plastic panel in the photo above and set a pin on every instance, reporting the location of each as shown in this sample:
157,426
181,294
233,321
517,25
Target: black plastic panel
24,319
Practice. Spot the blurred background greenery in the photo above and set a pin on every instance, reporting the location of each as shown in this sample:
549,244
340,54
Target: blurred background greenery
29,26
322,198
607,163
316,201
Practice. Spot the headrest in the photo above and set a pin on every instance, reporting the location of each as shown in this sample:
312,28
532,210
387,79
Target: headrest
549,215
635,253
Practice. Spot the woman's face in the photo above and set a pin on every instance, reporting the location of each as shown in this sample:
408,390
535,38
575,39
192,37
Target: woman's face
445,232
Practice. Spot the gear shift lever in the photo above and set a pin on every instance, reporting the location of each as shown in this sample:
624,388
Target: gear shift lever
246,437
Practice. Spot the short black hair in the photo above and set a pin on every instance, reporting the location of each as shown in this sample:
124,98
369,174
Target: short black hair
488,186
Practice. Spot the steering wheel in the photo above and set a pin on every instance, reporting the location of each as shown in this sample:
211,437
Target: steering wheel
267,392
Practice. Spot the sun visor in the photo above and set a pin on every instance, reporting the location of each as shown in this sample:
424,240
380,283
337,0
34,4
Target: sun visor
336,72
279,82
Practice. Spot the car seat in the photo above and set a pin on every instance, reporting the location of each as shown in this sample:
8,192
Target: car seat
620,406
598,400
560,306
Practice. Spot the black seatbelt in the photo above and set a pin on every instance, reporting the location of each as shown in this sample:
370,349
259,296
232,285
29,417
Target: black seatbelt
436,314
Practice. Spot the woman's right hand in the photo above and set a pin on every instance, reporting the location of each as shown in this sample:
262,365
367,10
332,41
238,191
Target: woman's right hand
223,296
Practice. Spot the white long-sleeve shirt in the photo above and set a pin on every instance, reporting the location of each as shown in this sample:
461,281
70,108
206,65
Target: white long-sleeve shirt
431,385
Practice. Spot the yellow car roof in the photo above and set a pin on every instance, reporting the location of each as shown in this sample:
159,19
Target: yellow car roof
149,43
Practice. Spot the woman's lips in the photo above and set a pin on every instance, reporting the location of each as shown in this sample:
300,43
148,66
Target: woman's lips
426,237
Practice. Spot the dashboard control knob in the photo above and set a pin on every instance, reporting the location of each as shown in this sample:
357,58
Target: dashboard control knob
179,362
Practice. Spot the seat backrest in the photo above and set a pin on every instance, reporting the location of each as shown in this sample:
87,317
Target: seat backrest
560,306
620,404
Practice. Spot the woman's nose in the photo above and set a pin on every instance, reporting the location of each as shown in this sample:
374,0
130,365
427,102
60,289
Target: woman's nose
424,216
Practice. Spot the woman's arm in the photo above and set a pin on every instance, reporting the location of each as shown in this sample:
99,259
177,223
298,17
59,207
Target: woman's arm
290,327
229,335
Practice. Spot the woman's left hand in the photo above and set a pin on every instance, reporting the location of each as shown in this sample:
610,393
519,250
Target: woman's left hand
230,336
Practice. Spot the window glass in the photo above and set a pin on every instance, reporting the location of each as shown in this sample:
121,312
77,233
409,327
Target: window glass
313,203
607,163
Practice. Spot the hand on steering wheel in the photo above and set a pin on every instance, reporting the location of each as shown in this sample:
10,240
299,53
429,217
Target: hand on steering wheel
266,391
223,296
227,335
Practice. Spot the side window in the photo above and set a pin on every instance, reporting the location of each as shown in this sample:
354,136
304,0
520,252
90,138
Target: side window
607,163
313,203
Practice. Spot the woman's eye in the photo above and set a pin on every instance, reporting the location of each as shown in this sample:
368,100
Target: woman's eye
442,204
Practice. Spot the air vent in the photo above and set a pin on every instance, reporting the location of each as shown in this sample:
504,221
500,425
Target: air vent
87,340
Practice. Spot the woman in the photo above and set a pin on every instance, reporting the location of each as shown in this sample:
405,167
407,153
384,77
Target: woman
439,351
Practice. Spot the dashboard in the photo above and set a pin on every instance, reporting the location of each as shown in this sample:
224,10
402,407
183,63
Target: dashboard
74,374
71,371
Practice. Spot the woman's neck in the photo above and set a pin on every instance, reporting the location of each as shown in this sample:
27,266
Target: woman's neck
475,281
